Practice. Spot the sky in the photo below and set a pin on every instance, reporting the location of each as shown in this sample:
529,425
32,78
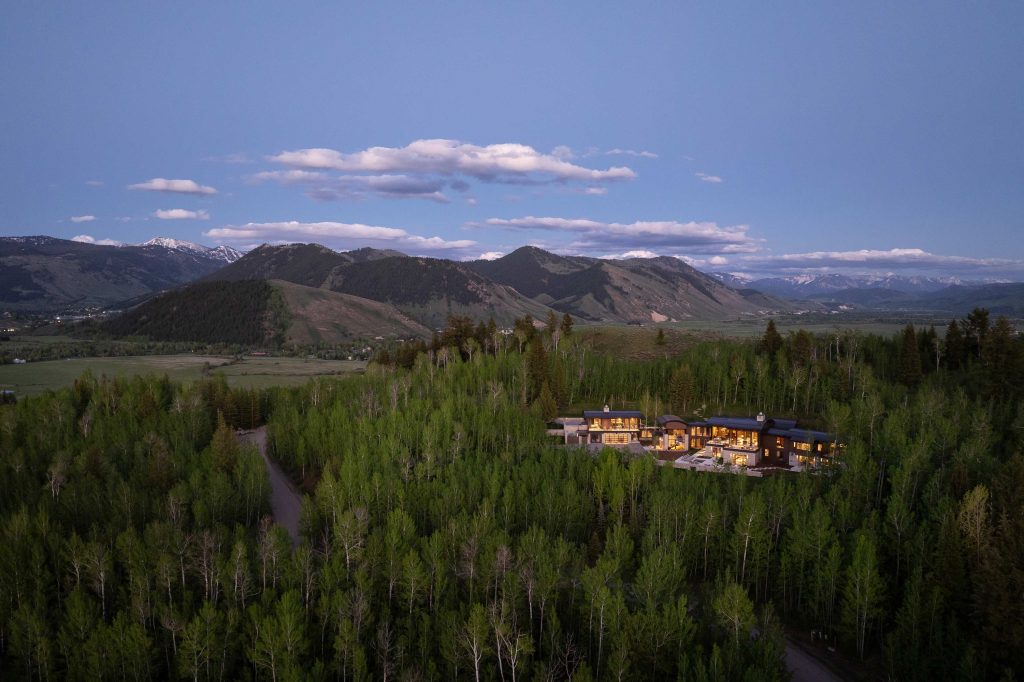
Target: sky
763,138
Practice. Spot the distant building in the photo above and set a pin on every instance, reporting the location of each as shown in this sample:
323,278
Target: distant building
739,441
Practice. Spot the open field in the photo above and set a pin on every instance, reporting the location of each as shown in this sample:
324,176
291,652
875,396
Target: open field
640,343
37,377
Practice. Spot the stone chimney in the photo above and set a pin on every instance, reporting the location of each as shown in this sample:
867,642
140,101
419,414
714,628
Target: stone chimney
760,417
606,408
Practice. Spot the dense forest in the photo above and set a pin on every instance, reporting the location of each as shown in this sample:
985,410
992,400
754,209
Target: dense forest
242,312
444,537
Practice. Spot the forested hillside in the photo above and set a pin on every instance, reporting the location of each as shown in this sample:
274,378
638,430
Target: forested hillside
445,538
245,312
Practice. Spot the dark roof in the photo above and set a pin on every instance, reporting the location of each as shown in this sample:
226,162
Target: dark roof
666,418
801,435
805,436
590,414
742,423
784,423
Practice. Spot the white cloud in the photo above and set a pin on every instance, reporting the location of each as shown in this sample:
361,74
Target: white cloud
630,152
94,183
333,232
636,253
177,186
490,255
563,152
180,214
326,187
709,178
492,163
88,239
695,237
595,191
718,260
82,218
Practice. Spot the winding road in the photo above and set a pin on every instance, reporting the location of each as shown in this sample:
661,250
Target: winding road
285,499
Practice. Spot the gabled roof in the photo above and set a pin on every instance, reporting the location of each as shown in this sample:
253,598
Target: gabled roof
667,418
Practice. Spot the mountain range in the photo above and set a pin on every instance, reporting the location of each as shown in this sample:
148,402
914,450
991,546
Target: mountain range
891,292
526,281
325,295
45,274
819,285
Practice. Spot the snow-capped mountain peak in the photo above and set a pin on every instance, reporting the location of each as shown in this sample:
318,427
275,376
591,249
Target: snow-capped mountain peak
222,253
225,253
176,244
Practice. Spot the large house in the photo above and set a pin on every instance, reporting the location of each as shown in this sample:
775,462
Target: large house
613,427
739,441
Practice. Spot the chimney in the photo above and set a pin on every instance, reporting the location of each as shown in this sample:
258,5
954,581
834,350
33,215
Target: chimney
760,417
606,408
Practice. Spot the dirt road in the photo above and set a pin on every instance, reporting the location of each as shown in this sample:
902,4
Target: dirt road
806,668
285,499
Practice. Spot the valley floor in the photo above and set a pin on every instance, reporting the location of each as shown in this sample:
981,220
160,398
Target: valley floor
250,372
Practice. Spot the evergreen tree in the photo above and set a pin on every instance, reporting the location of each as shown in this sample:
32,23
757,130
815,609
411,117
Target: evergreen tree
953,346
566,325
909,357
771,342
681,389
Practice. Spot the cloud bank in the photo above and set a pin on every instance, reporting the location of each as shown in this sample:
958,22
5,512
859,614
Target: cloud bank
691,237
176,186
508,162
326,187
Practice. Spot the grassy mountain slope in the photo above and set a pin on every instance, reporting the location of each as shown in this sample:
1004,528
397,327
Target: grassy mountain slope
44,274
638,289
319,315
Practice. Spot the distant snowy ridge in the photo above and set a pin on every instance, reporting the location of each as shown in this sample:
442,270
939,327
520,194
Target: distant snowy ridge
805,285
223,253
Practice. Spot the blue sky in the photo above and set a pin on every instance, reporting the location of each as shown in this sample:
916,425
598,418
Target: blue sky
756,137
